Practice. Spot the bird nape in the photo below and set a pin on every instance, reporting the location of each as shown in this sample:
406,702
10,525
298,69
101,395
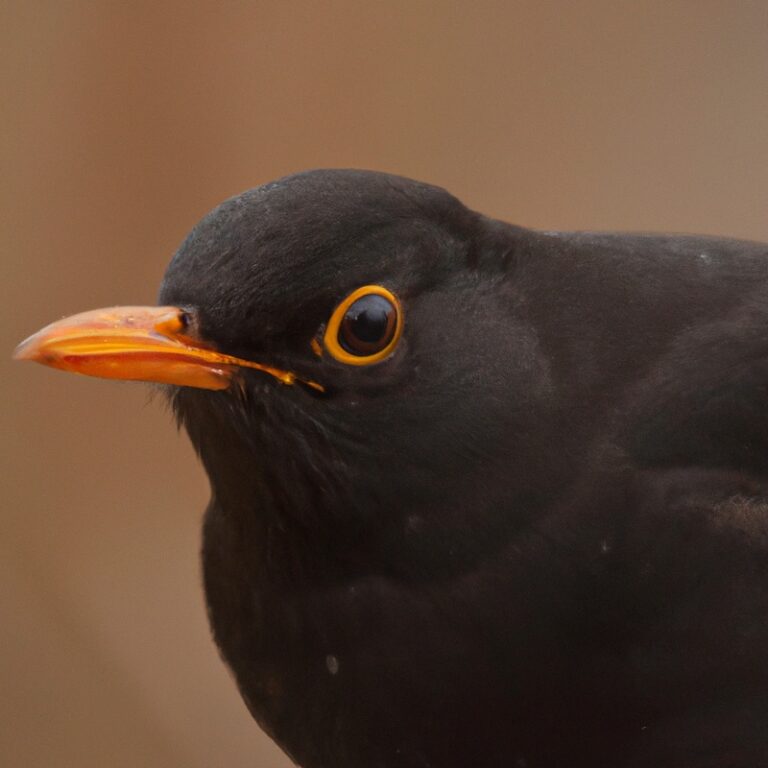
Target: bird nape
480,495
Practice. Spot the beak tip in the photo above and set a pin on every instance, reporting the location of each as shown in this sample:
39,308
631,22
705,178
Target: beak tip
27,350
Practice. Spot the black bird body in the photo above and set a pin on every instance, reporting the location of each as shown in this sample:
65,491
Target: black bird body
535,535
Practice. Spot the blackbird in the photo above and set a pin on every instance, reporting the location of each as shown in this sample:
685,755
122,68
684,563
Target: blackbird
480,495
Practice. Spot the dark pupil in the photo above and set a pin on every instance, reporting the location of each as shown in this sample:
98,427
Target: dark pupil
368,325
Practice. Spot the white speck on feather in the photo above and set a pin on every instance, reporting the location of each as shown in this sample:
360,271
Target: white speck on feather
414,523
332,664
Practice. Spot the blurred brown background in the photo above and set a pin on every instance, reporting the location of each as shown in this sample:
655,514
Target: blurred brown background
122,123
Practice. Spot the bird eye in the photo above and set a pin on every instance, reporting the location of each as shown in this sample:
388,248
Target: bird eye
365,327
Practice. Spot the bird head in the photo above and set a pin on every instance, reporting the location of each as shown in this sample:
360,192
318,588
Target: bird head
332,343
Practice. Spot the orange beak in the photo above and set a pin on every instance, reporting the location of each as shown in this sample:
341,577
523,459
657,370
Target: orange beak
138,344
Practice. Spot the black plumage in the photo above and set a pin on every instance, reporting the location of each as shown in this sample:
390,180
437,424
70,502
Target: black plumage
534,535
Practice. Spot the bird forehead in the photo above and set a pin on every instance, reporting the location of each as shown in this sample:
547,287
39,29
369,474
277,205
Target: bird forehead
321,206
317,233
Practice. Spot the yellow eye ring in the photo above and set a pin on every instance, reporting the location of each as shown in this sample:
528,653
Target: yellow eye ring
365,327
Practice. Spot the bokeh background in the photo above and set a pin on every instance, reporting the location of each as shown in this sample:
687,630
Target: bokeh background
123,123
